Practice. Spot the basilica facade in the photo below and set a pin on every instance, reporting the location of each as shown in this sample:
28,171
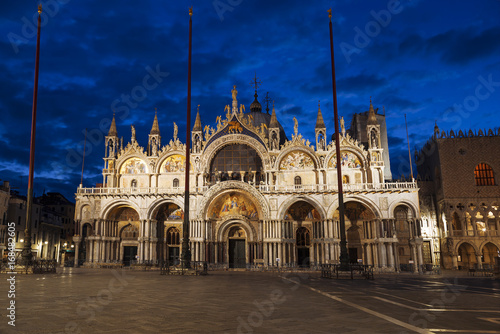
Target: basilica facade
257,197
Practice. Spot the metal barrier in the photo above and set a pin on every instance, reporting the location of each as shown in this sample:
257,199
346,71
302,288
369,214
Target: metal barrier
175,268
336,271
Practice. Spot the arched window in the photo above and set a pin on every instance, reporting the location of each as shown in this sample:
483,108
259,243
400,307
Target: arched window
345,179
484,175
176,183
173,237
298,182
303,237
133,184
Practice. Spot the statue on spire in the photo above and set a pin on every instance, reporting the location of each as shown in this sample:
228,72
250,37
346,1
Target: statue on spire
176,130
295,126
235,93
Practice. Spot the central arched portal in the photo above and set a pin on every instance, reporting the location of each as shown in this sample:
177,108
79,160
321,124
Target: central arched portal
236,247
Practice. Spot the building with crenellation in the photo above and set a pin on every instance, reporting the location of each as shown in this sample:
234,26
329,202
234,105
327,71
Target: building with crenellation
460,195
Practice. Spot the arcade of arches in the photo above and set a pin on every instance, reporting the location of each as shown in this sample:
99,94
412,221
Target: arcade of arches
234,234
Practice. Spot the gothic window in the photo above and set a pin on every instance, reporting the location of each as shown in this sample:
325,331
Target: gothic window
133,184
302,237
484,175
176,183
173,237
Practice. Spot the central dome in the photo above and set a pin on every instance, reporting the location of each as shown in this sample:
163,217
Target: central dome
264,118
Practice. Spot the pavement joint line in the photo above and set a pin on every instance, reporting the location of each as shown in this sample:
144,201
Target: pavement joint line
367,310
467,286
433,309
443,330
408,300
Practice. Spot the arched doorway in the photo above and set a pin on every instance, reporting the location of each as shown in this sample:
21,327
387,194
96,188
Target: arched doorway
169,217
490,253
303,241
358,220
236,247
466,256
173,242
302,217
129,235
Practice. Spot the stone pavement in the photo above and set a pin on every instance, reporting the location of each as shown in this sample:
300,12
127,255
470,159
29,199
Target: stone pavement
125,301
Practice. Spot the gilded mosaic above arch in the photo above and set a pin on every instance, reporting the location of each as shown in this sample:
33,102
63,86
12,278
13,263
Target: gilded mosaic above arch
348,159
296,160
233,203
174,163
134,166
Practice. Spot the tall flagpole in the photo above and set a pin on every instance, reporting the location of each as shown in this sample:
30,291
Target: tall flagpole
83,159
26,254
409,153
344,257
186,254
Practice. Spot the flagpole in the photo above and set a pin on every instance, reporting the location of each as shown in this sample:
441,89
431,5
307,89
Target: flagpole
83,159
344,257
409,153
186,254
26,254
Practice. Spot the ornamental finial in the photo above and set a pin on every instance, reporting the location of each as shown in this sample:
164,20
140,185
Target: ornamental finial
191,11
330,14
40,9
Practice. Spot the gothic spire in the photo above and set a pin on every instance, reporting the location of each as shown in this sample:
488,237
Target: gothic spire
372,119
273,123
197,122
320,124
112,129
155,130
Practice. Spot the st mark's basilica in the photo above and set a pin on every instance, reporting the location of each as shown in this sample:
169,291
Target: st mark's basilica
258,196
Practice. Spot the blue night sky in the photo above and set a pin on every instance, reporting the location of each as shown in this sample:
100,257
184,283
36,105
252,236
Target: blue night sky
431,60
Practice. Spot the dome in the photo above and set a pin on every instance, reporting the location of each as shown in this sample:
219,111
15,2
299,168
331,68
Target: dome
256,106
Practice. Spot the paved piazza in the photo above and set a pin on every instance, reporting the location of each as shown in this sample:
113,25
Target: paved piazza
116,301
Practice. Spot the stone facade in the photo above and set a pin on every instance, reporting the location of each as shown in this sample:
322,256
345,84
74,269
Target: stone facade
256,198
460,193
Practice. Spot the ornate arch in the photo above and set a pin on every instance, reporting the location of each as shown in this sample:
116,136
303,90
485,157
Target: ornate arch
105,211
228,221
125,157
301,148
159,202
164,155
214,147
362,155
292,200
484,243
411,205
226,186
461,242
363,200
